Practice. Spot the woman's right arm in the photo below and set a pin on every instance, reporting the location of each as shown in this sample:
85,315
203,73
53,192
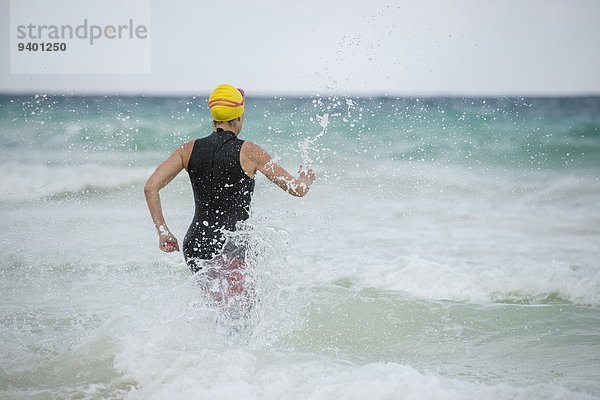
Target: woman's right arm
296,186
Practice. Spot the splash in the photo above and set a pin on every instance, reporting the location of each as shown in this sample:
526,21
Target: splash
307,145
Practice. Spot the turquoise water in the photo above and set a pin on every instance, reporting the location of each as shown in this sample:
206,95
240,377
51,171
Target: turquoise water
448,249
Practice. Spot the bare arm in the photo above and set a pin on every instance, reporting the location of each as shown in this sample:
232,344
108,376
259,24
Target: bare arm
163,174
263,162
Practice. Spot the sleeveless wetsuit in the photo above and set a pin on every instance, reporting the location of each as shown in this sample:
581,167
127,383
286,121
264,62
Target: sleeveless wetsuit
222,195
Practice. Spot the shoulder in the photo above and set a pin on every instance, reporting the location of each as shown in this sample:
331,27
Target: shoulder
185,151
254,156
253,151
186,148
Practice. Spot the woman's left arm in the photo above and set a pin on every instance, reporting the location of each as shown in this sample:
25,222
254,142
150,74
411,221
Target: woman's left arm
163,174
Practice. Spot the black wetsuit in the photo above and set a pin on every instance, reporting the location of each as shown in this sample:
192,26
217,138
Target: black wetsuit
222,195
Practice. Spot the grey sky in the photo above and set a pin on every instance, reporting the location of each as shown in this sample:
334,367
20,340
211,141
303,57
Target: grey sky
425,47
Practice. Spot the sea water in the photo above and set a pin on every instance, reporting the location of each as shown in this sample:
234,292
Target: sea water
449,249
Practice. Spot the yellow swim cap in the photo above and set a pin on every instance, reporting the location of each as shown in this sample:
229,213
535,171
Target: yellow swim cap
226,103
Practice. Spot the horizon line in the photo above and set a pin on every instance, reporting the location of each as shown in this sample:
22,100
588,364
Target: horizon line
298,94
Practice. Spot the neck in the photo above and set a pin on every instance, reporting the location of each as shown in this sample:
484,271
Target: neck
226,126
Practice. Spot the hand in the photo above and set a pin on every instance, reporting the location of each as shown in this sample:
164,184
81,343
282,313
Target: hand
167,242
307,174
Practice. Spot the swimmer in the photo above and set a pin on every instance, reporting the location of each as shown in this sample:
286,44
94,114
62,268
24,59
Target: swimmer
222,169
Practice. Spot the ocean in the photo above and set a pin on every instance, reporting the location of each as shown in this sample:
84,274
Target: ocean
449,249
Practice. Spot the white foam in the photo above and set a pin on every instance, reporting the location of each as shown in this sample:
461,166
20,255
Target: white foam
238,374
22,182
170,347
480,240
515,282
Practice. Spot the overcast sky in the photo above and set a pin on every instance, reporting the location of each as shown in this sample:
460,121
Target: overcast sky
413,47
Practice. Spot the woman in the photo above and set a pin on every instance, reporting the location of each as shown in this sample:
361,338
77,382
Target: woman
221,168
